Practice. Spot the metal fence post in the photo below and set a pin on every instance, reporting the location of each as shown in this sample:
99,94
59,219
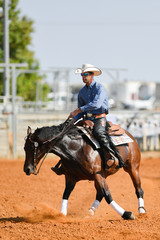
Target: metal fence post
14,117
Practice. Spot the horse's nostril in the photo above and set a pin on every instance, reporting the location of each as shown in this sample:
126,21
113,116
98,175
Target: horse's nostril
28,171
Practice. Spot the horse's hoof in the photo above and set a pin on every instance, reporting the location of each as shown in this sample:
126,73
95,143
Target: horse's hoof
141,210
91,212
132,217
128,216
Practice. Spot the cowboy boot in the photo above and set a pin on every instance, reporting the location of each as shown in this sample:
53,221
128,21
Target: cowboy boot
104,142
108,159
118,156
121,162
109,146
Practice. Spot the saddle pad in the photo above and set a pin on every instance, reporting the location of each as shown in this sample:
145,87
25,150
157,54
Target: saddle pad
119,140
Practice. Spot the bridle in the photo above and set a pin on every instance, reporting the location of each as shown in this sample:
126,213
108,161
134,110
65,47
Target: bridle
36,144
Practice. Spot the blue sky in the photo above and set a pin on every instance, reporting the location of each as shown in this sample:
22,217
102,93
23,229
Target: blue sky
105,33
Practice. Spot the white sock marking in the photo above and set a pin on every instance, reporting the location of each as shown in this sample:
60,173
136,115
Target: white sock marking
64,206
117,208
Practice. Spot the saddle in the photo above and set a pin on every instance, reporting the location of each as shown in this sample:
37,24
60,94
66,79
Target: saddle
108,160
114,129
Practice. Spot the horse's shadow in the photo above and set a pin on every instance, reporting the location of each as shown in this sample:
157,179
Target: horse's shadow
22,219
13,219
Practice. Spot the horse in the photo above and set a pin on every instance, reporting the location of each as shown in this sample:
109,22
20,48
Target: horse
82,162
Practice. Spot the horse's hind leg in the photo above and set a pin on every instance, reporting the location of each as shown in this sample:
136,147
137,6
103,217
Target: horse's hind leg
101,186
135,176
70,184
99,197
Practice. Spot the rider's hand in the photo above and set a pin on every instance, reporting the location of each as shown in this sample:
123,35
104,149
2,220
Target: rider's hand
74,113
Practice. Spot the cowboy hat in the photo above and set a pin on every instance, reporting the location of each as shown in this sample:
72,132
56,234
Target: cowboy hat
89,68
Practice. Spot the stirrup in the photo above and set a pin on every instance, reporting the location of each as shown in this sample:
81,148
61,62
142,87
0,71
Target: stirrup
111,158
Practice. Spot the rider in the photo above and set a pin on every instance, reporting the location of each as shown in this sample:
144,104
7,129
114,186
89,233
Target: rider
93,102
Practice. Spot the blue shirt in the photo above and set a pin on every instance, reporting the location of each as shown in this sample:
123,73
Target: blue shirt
92,99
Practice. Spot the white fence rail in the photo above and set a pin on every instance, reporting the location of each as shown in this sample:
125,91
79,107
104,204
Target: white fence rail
145,127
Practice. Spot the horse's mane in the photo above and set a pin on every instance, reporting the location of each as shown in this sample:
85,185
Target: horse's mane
47,133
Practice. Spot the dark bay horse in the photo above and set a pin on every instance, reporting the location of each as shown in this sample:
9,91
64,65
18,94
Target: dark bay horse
82,162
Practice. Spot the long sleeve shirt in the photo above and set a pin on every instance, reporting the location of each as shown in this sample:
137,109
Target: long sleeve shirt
92,99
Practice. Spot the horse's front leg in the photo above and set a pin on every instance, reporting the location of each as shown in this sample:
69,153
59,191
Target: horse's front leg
102,187
70,184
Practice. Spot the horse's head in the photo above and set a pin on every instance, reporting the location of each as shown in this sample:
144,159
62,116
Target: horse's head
34,151
39,143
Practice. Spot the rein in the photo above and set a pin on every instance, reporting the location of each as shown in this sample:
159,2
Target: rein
36,150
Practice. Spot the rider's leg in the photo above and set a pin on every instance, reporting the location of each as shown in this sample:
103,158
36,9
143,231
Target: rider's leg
99,131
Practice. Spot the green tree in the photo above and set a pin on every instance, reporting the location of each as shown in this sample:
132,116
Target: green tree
20,30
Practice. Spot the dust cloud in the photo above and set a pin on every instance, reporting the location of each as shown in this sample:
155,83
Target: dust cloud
39,213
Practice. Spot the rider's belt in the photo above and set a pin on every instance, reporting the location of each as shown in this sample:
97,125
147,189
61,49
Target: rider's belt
89,115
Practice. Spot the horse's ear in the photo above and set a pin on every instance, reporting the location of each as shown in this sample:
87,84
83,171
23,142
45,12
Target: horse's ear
29,131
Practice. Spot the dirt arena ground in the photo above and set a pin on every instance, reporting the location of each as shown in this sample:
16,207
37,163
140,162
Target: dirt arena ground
29,205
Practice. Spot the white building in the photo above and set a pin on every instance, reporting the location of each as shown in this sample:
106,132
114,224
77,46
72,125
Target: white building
134,94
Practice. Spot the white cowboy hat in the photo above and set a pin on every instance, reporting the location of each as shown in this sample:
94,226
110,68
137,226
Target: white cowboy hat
89,68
